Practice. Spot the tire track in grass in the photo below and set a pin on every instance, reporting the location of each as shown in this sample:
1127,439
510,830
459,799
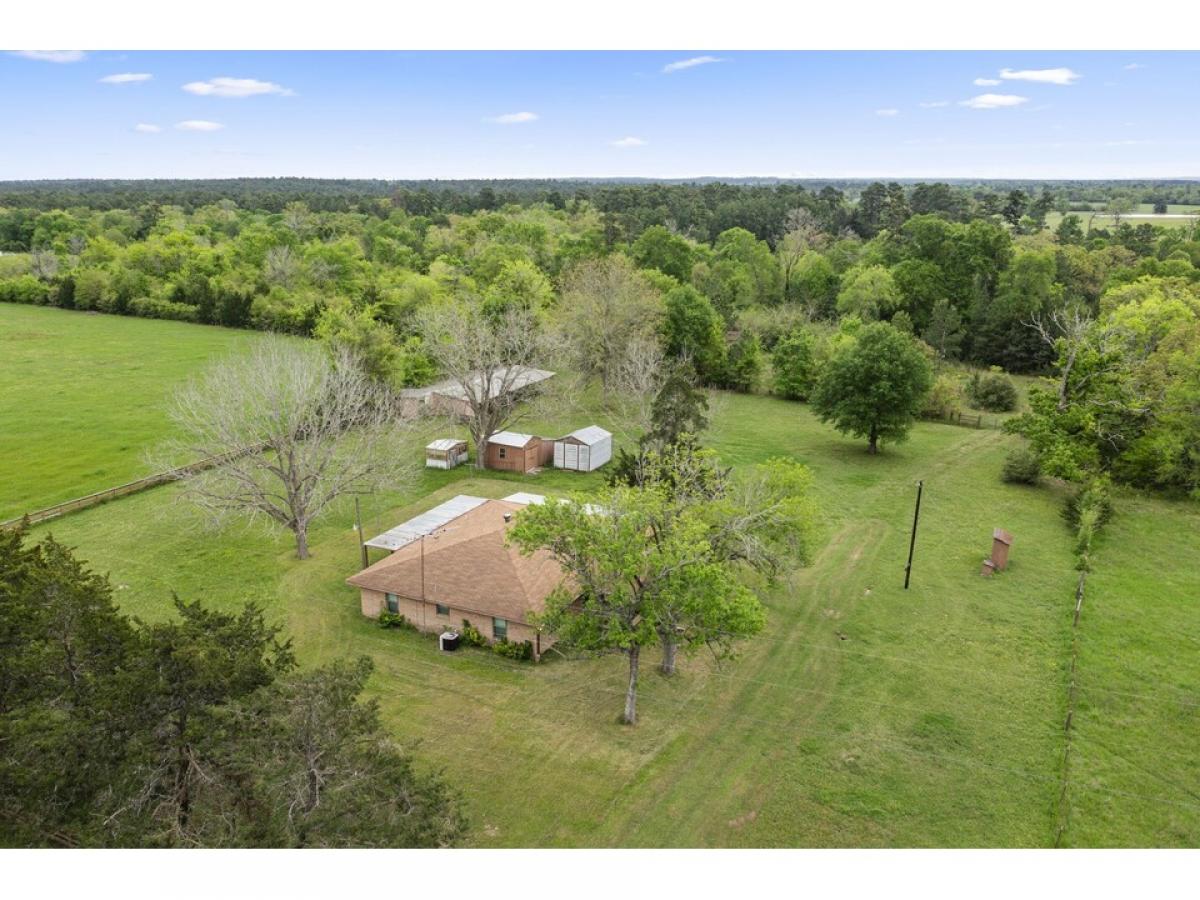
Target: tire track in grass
673,797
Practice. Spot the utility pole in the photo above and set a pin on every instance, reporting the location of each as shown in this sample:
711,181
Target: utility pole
912,543
362,545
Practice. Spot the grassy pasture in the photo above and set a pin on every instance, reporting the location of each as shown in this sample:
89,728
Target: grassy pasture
82,396
1176,217
864,715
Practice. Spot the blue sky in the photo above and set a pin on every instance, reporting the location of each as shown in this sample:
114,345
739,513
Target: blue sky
510,114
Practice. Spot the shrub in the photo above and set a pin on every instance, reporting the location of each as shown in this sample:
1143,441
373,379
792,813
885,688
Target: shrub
771,324
1093,498
472,635
24,289
513,650
994,392
943,399
1022,466
154,308
395,620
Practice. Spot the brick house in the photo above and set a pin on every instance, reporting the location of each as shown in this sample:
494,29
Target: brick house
448,397
452,564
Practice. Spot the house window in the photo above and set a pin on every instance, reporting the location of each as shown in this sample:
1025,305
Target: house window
503,455
393,603
442,609
500,629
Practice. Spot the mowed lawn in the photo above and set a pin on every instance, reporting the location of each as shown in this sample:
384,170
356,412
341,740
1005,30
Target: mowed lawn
82,396
864,715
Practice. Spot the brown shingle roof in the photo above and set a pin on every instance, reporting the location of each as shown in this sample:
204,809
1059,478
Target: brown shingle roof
468,565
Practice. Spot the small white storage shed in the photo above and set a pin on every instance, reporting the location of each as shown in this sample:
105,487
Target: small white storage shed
584,450
445,453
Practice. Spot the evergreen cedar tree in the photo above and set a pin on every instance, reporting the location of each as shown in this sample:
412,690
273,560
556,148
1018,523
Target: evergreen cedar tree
678,417
874,385
197,731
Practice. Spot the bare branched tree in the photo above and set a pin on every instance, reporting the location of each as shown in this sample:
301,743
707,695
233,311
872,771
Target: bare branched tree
801,233
43,264
488,358
607,304
297,217
1075,330
281,265
1093,360
292,431
636,382
321,271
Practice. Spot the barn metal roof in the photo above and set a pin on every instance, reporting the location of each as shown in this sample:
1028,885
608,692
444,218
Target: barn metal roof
525,498
426,523
510,439
444,444
448,387
593,434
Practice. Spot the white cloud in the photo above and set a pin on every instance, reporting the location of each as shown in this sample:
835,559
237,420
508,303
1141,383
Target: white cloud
986,82
54,56
516,118
126,78
146,128
198,125
235,87
993,101
680,65
1045,76
1132,66
628,142
933,104
887,113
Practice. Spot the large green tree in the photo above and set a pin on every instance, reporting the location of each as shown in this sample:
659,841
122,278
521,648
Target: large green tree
693,329
794,366
873,385
671,254
869,292
659,564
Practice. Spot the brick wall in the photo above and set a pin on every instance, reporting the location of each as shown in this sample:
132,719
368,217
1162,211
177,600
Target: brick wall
425,618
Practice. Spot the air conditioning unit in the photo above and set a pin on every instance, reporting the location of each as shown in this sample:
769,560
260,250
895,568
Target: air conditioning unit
448,641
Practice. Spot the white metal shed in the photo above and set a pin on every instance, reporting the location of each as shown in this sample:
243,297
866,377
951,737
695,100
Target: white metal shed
445,453
584,450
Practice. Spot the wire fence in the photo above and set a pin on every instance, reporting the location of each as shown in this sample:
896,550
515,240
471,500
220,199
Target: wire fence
123,490
1064,800
965,419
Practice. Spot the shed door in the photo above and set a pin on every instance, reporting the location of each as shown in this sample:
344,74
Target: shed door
570,456
558,454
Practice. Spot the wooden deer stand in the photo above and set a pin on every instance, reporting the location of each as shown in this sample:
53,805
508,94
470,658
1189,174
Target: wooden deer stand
998,562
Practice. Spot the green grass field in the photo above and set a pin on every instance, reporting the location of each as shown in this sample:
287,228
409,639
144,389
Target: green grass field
82,397
863,716
1177,217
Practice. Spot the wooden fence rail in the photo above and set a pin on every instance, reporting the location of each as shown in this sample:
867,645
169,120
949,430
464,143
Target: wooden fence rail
122,490
967,420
